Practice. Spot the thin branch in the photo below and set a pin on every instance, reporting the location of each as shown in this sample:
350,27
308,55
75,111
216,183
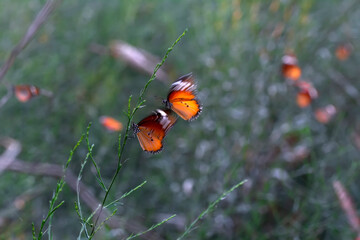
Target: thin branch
42,16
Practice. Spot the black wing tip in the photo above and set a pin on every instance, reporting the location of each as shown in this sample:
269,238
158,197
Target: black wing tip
186,76
155,152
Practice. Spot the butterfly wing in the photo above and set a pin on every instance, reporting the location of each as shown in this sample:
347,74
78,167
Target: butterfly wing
188,109
152,130
182,98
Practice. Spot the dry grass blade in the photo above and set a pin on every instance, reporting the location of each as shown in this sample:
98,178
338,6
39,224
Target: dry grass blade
137,58
13,148
347,205
42,16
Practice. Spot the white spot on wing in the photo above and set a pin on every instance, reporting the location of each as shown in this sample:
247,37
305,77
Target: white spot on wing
183,86
164,119
162,113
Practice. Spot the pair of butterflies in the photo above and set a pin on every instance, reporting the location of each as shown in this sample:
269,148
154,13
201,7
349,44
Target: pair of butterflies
181,100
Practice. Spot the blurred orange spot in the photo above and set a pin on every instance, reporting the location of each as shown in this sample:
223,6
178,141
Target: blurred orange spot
306,94
111,124
307,87
25,92
290,68
325,114
303,99
343,52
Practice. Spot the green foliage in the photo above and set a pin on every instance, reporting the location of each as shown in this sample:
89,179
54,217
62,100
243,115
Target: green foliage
249,129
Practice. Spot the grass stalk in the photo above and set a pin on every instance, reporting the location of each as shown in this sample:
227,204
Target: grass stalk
151,228
210,208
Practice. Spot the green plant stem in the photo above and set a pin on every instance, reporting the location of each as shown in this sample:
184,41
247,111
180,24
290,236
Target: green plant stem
58,190
210,208
128,126
126,194
78,203
152,227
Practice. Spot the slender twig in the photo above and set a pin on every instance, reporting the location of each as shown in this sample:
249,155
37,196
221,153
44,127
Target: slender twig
98,178
130,118
6,97
210,208
152,227
78,204
42,16
58,190
126,194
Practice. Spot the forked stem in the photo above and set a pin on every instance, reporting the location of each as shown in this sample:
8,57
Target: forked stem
130,116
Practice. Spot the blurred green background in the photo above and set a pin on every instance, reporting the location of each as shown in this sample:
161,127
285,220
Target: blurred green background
250,127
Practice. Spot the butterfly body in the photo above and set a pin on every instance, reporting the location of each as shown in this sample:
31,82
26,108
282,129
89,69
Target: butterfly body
152,130
182,98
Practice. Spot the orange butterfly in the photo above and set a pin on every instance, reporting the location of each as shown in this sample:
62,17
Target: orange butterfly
25,92
182,98
152,130
111,124
290,68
